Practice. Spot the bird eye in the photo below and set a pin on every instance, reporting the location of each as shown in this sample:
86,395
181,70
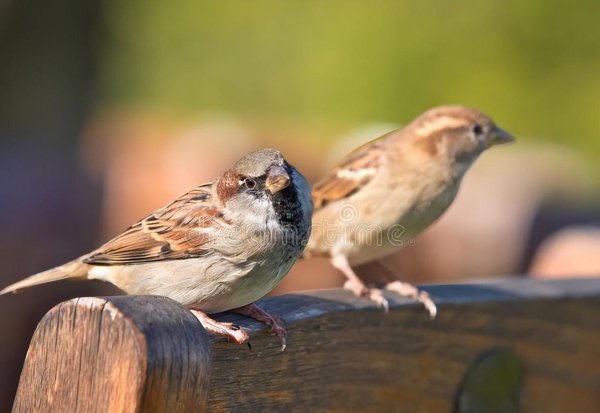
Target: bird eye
250,183
477,129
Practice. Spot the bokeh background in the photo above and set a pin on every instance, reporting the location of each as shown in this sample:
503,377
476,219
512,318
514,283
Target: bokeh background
110,109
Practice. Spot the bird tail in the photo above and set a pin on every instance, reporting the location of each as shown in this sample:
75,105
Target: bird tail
71,270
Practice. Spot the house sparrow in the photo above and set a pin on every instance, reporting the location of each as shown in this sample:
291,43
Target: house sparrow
221,246
389,190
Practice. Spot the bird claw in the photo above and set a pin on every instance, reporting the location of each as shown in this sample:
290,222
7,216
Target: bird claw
280,333
428,303
257,313
373,294
376,295
230,330
399,287
408,290
239,336
283,343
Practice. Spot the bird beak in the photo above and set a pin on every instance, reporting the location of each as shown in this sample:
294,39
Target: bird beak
277,179
500,136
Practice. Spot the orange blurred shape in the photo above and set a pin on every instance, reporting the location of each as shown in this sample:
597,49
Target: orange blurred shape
570,252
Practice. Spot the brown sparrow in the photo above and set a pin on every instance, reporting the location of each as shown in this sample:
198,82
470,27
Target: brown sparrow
387,191
221,246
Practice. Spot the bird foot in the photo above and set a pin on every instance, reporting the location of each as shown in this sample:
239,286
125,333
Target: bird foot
373,294
230,330
408,290
257,313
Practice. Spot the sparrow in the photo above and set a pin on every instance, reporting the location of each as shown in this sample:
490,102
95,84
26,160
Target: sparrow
221,246
386,192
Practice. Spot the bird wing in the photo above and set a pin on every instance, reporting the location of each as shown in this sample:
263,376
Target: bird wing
350,175
179,230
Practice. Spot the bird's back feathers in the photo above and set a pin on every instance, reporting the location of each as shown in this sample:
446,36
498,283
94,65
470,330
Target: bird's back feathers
179,230
350,175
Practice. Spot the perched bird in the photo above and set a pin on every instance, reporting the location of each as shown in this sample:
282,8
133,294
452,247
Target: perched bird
387,191
221,246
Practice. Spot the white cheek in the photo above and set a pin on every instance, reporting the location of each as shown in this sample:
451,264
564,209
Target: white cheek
249,210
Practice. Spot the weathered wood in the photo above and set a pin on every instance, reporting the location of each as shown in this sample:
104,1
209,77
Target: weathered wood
345,355
116,354
496,347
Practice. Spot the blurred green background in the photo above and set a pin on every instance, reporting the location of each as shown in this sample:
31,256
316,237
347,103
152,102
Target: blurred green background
534,65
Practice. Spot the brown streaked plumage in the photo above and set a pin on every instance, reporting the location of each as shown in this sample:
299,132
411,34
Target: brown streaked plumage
166,234
350,175
390,189
219,247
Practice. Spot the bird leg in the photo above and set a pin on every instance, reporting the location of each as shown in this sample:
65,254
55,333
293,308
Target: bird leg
356,285
221,329
408,290
257,313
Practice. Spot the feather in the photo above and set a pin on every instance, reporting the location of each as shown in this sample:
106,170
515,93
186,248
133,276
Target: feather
179,230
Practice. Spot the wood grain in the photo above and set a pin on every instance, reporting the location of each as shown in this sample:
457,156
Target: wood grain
509,346
116,354
344,355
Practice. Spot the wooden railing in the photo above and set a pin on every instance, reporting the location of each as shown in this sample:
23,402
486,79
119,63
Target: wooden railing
506,346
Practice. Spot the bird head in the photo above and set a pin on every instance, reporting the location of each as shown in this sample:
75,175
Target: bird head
457,133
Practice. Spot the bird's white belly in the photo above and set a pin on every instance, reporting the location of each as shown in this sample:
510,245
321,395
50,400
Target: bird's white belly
384,244
195,282
396,228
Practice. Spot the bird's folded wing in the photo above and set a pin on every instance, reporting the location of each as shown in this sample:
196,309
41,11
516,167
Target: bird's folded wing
350,175
180,230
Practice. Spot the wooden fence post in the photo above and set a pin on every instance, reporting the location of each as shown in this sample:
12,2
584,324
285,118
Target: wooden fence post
116,354
512,345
